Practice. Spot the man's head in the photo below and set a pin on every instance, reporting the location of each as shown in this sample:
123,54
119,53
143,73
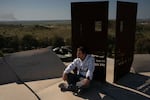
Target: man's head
81,52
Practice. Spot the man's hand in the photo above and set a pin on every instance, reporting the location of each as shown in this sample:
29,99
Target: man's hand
64,76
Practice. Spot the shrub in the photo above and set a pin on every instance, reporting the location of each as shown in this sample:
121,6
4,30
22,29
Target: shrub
57,41
29,42
1,54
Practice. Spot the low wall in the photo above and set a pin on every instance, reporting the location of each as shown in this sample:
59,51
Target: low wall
30,65
6,74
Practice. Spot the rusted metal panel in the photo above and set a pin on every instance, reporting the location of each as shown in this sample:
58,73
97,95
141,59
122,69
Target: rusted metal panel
89,29
125,37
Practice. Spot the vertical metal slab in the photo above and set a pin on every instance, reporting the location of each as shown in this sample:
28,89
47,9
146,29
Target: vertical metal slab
89,29
125,36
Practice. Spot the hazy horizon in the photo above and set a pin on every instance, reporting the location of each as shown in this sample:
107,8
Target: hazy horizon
53,20
24,10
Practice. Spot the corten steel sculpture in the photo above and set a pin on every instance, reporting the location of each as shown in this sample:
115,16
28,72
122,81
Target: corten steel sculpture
90,29
125,37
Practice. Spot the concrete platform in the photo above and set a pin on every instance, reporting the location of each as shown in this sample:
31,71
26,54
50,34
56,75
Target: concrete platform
14,91
36,74
53,92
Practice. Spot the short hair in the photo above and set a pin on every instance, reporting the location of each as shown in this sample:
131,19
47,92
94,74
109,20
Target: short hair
83,49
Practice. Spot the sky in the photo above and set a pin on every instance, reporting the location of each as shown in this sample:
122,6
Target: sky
57,9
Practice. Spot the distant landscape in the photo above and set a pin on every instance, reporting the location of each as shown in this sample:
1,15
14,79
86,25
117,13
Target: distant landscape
26,35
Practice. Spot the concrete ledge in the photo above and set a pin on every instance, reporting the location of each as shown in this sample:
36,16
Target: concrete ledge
6,74
35,64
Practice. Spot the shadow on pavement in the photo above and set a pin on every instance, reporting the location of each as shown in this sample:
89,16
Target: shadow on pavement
108,91
136,81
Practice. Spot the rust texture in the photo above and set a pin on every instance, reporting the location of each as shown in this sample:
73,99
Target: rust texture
89,29
125,37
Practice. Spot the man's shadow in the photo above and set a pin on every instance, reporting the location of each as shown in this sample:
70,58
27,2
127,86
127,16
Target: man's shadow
94,92
109,91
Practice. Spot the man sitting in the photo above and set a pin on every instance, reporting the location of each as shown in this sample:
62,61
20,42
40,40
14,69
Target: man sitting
85,68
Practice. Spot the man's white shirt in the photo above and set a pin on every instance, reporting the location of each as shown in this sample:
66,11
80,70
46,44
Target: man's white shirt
84,68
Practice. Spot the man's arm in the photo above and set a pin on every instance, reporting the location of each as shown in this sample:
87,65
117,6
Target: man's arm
64,76
69,68
91,68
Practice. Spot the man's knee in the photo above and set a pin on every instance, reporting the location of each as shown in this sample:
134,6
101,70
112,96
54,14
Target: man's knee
83,83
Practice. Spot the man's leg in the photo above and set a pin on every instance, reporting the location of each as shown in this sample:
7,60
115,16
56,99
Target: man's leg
72,79
82,83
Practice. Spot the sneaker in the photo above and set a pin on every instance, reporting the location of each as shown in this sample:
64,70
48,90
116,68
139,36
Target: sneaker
75,89
63,87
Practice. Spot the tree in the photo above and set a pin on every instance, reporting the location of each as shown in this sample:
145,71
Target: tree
2,41
1,54
57,41
14,43
45,42
111,46
142,45
29,42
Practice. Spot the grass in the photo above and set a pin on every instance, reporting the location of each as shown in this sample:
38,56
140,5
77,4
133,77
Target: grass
42,30
38,31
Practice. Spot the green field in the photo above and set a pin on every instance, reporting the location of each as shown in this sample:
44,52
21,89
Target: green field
24,35
39,29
